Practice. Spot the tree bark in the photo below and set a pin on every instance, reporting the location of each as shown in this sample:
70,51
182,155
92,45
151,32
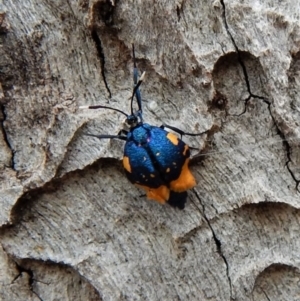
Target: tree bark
72,226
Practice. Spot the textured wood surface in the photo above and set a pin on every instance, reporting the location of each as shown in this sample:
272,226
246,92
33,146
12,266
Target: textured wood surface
73,227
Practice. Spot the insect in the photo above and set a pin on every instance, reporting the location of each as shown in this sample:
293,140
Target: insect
154,159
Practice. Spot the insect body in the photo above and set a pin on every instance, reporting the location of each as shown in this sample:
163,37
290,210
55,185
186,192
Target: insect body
157,161
154,159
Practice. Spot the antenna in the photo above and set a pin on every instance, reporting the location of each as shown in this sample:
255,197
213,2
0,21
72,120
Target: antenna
103,107
137,83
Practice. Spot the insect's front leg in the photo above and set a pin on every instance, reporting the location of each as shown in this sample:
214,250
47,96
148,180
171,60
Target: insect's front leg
123,132
124,138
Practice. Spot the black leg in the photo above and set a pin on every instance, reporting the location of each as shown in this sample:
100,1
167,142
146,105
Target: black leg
108,136
124,132
180,132
136,91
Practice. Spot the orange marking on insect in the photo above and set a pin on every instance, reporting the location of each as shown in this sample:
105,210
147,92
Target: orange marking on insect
152,175
126,164
185,181
186,148
173,138
160,194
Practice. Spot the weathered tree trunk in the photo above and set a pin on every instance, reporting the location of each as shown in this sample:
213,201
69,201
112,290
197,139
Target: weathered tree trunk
72,226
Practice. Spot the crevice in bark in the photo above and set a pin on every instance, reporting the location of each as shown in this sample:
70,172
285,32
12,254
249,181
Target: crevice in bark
245,107
217,242
178,11
71,9
266,295
240,60
288,151
28,266
99,48
171,102
5,136
280,133
29,272
289,159
288,148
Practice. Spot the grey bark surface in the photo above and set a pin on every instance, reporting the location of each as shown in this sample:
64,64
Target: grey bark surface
73,227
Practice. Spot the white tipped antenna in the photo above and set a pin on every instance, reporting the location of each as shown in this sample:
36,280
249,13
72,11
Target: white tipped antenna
142,76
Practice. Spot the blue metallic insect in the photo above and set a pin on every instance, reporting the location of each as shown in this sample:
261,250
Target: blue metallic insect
154,159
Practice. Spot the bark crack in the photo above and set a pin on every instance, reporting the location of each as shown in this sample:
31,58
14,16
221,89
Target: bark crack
5,136
71,8
171,102
240,60
247,81
267,296
31,279
217,242
287,147
99,48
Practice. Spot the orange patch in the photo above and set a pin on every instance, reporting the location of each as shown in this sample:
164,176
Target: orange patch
173,138
126,164
160,194
185,181
186,148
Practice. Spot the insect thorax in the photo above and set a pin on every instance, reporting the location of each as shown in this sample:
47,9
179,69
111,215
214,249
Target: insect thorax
140,134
